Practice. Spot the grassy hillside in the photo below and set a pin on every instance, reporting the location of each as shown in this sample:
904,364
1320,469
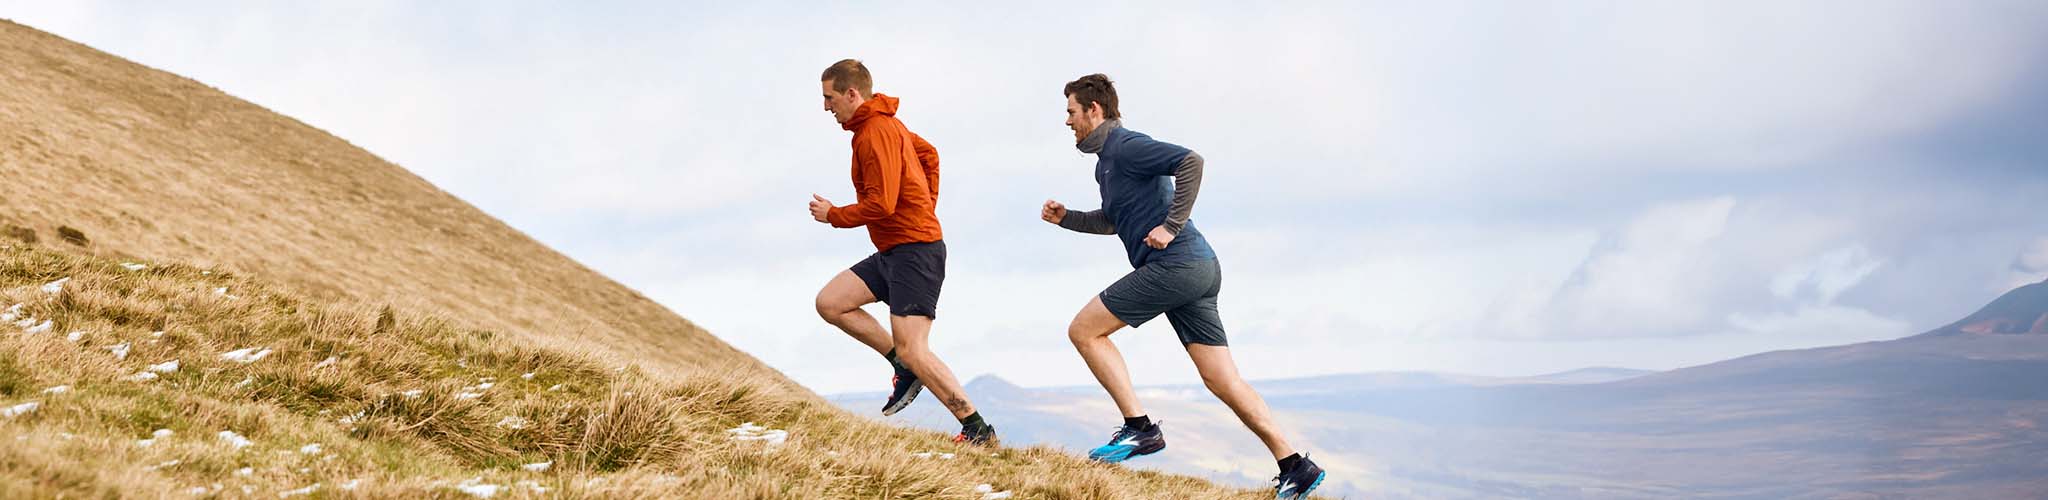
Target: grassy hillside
364,400
202,297
140,162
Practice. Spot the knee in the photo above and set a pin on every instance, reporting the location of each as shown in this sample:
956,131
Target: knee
907,346
1220,384
828,308
1079,335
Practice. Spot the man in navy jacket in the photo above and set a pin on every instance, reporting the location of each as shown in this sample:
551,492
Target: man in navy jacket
1148,191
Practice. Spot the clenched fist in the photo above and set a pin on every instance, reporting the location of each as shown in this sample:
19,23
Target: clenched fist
819,206
1054,212
1158,238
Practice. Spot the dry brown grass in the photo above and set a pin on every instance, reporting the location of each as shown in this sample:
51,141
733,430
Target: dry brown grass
139,162
610,430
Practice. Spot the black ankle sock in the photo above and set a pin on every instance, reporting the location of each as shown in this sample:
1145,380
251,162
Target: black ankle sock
1138,422
1287,464
973,421
893,360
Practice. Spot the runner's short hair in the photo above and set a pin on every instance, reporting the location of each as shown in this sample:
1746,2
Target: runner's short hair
1098,90
849,73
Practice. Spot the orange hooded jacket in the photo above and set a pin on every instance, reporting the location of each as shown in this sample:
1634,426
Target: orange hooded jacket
897,176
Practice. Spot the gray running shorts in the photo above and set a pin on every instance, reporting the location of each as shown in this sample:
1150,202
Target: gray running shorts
1185,291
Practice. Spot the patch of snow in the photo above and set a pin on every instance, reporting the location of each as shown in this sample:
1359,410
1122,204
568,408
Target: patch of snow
538,466
142,377
235,440
326,362
412,393
527,376
947,456
468,395
170,463
476,487
351,484
301,491
57,390
45,327
245,382
310,449
20,409
75,336
164,367
156,334
922,454
988,492
120,351
246,355
133,266
514,422
554,388
534,486
245,471
55,286
750,432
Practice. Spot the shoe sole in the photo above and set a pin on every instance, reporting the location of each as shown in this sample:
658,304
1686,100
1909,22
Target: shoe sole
1134,453
1312,486
905,402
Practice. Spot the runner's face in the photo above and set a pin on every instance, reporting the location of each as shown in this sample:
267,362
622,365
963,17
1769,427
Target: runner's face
841,104
1082,121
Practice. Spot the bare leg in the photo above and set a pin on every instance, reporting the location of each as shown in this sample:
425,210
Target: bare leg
839,303
1219,372
912,333
1090,334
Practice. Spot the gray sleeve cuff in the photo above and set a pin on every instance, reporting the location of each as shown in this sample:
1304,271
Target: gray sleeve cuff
1187,184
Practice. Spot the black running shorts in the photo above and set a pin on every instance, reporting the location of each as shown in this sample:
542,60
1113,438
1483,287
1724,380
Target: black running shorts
907,277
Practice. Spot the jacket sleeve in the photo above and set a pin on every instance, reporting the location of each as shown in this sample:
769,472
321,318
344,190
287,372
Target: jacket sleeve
1091,222
927,157
881,179
1187,183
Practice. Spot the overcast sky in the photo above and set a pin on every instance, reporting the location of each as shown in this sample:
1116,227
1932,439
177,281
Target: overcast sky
1492,188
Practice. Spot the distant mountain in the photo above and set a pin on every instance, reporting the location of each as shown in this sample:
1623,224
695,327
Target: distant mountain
2023,310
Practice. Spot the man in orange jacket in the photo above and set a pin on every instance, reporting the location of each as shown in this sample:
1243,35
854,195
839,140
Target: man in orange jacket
896,174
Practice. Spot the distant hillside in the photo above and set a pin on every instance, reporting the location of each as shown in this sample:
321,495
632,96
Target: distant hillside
2023,310
105,156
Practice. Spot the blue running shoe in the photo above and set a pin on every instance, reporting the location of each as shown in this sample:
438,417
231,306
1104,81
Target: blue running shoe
1296,483
1130,442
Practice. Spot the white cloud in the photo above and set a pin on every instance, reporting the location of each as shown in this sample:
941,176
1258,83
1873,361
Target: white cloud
1827,276
2029,267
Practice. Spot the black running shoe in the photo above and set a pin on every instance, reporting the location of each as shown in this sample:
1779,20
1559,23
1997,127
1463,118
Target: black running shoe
978,435
1129,442
1296,483
906,389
